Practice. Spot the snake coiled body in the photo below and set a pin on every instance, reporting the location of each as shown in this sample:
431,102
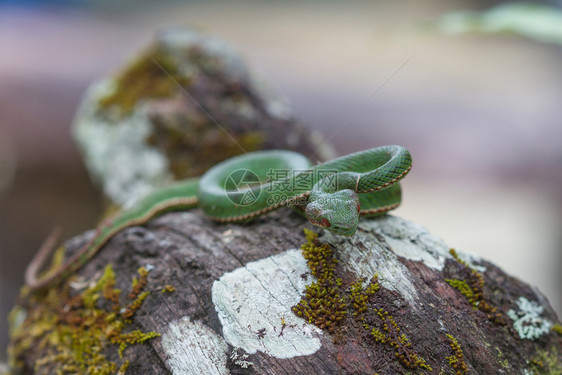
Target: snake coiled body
333,195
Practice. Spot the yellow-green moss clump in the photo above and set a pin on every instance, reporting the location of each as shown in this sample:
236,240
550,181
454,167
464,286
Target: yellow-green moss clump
326,302
76,332
391,335
546,362
456,361
557,328
466,290
168,289
360,296
155,74
322,305
473,289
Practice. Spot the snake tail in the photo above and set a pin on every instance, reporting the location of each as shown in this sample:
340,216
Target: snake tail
179,196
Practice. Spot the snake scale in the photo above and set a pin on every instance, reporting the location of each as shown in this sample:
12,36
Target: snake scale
332,195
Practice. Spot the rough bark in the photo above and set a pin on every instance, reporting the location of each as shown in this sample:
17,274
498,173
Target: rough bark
185,103
235,286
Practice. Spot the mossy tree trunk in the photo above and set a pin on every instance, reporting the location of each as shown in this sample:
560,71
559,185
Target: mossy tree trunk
247,299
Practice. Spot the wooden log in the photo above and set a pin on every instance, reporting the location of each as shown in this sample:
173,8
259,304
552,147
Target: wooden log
247,299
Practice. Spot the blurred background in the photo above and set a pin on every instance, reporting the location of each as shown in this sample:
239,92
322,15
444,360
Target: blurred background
480,111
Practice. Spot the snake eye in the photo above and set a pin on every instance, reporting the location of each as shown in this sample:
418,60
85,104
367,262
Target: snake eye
326,223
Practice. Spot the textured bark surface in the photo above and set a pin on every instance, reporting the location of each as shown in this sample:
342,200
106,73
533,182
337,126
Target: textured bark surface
185,103
235,286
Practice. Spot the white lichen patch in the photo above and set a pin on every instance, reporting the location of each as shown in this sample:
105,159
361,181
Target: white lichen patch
364,255
527,321
194,348
240,359
254,304
116,152
410,240
414,242
379,244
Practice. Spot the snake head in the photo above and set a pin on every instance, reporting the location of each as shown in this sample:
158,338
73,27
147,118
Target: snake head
337,212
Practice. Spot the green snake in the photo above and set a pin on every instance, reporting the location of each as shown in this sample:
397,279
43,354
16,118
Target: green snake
332,195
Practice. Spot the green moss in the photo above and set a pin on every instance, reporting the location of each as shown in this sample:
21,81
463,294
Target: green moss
456,361
472,288
155,74
557,328
546,362
168,289
326,303
131,338
323,304
75,333
138,284
504,363
360,296
310,235
390,334
91,295
465,289
132,307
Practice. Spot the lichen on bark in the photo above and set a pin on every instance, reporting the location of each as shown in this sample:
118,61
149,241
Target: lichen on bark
75,332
